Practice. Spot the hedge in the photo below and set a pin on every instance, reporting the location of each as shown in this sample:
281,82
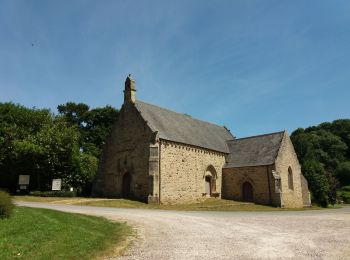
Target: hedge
6,205
53,193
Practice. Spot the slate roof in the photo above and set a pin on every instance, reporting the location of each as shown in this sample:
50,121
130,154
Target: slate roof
184,129
254,150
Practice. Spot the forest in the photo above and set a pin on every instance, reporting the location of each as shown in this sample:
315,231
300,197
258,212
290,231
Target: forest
68,144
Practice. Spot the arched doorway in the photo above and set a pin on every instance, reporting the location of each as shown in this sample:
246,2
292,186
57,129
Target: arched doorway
210,178
247,192
126,185
208,185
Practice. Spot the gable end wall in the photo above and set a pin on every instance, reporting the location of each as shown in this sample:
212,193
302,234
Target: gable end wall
182,172
127,150
290,198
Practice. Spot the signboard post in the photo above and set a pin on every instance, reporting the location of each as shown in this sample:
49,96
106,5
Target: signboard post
56,184
23,182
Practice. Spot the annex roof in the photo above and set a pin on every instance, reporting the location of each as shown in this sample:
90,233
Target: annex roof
254,150
184,129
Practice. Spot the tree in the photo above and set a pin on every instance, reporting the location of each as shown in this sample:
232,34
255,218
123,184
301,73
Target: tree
83,175
73,112
329,145
341,128
35,142
343,173
99,122
16,124
333,184
94,124
317,180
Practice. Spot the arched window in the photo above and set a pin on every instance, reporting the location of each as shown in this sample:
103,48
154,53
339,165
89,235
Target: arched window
290,178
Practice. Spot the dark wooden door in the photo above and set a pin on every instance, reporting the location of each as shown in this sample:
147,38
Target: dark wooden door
126,185
247,191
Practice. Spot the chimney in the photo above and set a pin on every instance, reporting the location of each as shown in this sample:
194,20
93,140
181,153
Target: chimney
130,90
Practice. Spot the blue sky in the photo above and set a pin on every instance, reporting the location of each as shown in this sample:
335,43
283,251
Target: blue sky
253,66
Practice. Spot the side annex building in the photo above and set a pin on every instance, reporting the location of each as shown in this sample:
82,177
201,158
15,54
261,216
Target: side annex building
160,156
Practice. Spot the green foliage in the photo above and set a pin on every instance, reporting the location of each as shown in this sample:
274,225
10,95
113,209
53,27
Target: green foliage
6,205
332,191
318,183
16,124
73,113
345,196
45,146
321,146
343,173
53,193
346,188
94,125
329,145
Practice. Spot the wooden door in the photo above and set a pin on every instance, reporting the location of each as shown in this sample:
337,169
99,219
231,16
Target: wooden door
247,191
208,185
126,185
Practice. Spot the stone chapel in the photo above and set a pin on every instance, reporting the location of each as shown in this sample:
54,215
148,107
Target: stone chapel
160,156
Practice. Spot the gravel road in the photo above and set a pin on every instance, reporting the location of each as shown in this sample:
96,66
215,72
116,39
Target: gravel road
202,235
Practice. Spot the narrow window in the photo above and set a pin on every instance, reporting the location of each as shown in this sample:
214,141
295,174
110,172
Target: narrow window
119,165
125,160
290,178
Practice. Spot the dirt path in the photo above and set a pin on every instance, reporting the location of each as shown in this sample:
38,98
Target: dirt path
229,235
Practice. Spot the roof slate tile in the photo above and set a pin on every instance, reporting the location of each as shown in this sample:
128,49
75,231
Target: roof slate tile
184,129
254,150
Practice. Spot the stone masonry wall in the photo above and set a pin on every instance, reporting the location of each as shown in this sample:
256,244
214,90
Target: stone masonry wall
291,198
257,176
182,172
127,150
305,192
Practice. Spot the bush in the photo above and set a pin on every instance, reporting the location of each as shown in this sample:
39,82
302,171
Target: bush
318,183
346,188
6,205
345,196
53,193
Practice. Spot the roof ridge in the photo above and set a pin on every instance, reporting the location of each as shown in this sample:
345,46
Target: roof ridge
254,136
182,114
279,146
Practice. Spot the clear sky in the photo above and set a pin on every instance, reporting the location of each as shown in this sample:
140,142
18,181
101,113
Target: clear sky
253,66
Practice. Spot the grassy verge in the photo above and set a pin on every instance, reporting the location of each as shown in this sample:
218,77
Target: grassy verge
47,234
208,205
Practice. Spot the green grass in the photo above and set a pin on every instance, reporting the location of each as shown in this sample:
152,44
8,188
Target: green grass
45,199
208,205
47,234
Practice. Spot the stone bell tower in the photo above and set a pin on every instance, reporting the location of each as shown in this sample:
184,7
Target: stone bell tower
130,90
